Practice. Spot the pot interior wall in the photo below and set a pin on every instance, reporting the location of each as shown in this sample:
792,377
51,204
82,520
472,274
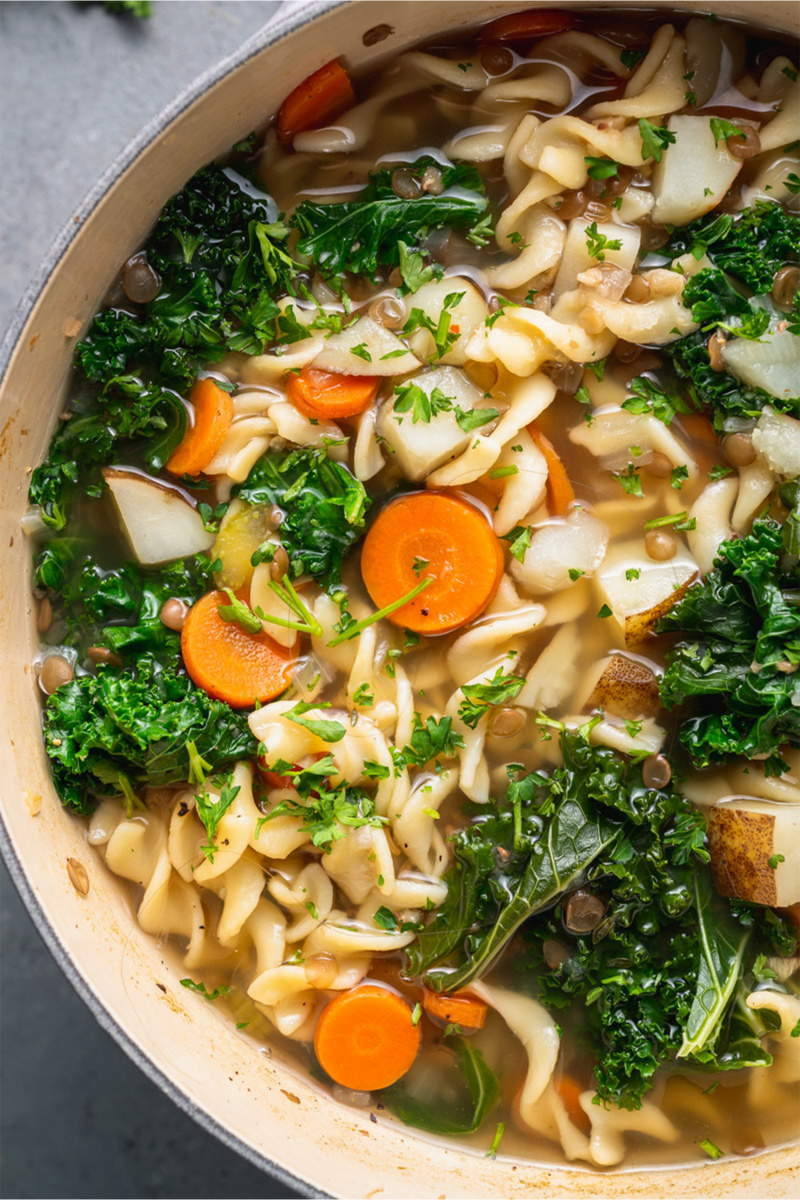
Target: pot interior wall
272,1112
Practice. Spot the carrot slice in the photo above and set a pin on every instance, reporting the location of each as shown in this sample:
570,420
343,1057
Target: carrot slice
560,492
570,1092
326,395
365,1038
458,1009
531,23
229,663
320,98
436,536
213,413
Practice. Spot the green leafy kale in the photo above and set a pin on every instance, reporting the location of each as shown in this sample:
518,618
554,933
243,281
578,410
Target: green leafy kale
746,252
454,1115
325,509
364,234
639,974
752,246
219,250
737,646
116,731
119,608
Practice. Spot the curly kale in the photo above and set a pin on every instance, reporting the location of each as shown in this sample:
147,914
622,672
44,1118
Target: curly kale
117,731
737,646
746,252
219,250
662,974
119,608
324,506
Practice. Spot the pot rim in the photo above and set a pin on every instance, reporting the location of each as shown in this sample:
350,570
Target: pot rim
289,18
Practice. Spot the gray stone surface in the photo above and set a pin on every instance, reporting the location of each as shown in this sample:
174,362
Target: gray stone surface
77,1118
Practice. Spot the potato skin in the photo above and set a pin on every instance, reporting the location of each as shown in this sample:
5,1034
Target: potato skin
626,688
639,626
741,843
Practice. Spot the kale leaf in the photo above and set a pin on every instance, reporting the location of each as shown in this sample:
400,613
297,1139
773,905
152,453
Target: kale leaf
148,420
325,509
465,1113
744,615
746,252
751,246
641,976
219,250
119,608
362,234
116,731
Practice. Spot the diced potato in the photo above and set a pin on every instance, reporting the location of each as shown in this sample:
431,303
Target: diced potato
421,447
772,363
755,851
694,174
375,344
777,438
468,314
576,543
627,688
244,527
638,602
576,258
160,523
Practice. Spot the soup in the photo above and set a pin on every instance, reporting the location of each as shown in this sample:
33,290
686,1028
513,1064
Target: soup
418,579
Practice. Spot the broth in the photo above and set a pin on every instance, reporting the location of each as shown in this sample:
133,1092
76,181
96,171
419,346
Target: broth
263,947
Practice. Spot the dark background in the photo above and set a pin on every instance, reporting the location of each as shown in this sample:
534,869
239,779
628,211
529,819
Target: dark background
77,1118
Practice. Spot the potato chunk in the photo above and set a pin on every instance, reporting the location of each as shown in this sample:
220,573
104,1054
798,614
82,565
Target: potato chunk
627,688
639,591
755,851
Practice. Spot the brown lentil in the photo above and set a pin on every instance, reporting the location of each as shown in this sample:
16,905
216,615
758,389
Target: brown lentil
660,545
507,722
715,344
173,613
785,287
584,911
656,771
739,450
101,654
45,616
140,282
554,953
55,671
406,184
496,60
746,146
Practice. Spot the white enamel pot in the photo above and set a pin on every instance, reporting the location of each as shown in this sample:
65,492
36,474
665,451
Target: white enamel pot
262,1107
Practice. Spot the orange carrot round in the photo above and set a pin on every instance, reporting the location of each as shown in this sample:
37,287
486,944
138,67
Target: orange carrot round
320,98
531,23
430,535
459,1009
570,1092
227,662
328,396
560,492
365,1038
213,413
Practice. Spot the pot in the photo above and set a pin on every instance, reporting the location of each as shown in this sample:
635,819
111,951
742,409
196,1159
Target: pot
263,1107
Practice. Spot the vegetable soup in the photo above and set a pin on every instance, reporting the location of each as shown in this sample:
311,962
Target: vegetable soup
418,577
